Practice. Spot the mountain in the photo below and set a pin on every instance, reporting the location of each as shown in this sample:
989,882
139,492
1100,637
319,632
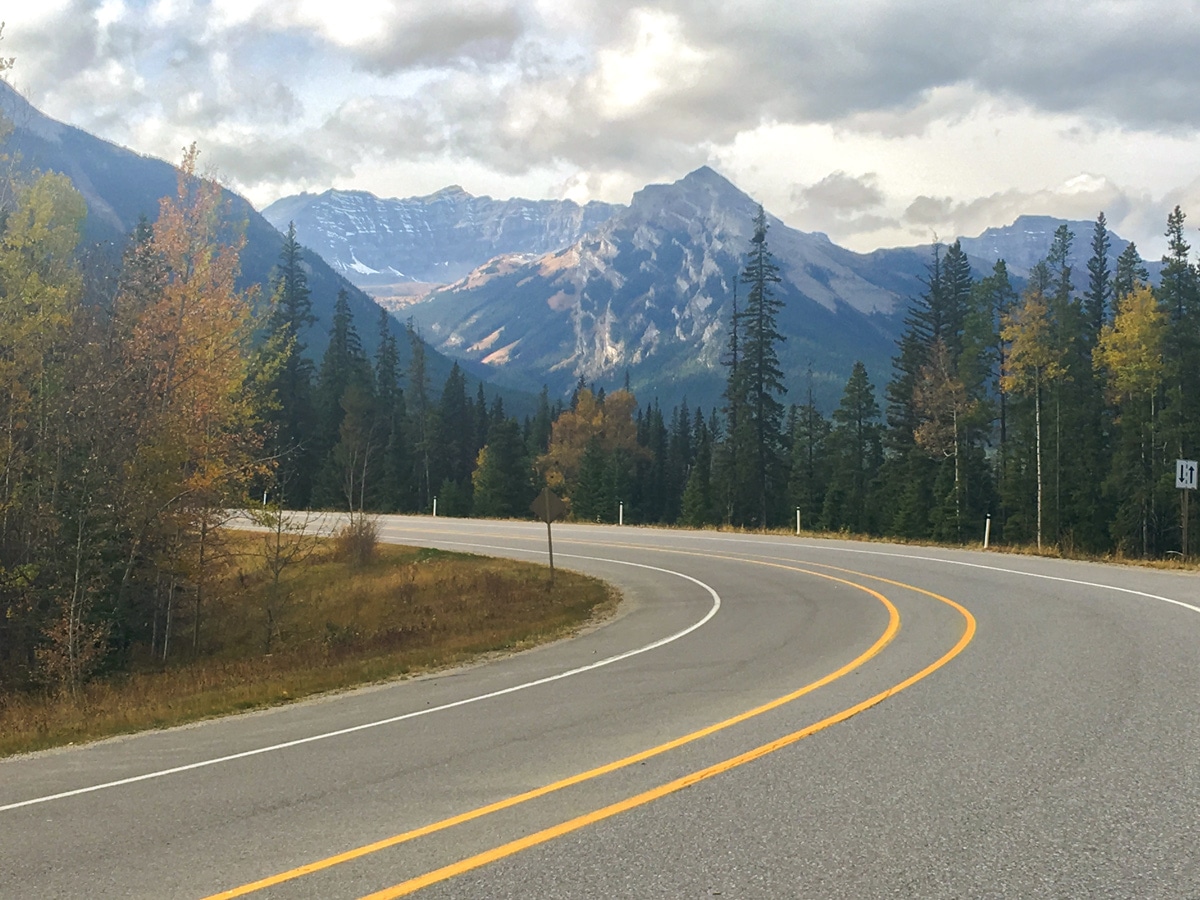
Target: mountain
436,239
121,186
648,294
1025,243
548,292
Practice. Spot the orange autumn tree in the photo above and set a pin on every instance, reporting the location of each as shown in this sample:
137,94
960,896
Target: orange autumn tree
195,419
594,428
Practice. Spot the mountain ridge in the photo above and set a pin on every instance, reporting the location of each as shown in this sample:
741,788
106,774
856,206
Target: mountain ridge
119,186
436,238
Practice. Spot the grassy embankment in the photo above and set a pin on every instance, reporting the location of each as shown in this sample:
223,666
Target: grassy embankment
405,611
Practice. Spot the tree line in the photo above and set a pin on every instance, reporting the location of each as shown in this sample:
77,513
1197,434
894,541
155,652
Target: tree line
140,402
1055,407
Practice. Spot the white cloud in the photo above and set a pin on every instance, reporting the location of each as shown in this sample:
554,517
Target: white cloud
839,117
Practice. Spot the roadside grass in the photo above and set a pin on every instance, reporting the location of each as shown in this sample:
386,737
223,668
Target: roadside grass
407,610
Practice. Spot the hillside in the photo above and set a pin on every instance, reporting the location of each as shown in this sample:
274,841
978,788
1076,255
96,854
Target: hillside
121,186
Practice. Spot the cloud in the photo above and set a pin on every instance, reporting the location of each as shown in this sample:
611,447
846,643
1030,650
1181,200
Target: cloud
954,111
840,194
929,210
448,34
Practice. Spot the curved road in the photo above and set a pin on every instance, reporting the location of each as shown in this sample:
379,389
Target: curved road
765,717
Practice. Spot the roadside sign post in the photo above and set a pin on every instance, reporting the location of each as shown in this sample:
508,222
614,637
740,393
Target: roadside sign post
548,507
1185,480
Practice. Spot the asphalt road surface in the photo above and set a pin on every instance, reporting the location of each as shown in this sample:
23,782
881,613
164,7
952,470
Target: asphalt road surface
764,717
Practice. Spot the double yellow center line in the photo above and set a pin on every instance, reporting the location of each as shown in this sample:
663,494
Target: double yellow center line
548,834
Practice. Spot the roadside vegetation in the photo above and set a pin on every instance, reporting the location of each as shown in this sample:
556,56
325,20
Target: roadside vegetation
328,618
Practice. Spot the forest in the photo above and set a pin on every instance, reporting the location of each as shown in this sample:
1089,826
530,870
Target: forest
139,405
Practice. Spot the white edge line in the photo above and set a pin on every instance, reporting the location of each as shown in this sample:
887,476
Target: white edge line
716,605
970,565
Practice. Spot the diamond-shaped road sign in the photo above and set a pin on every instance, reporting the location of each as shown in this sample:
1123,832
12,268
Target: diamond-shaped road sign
548,506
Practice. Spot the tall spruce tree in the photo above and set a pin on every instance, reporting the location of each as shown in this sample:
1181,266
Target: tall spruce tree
758,437
395,483
809,477
1179,294
345,381
422,421
856,454
502,478
291,418
1099,290
1131,272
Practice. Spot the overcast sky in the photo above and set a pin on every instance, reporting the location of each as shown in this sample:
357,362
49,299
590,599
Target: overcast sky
879,122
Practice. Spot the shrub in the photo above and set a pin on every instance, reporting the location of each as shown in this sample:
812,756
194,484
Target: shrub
356,540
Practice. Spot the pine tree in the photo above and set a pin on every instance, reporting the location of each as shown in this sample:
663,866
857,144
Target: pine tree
421,418
1179,294
758,380
1096,300
455,458
1131,272
502,483
395,491
809,479
697,504
543,420
345,378
590,501
854,445
291,418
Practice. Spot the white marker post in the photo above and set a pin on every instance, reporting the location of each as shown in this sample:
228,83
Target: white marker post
797,521
621,513
435,507
1185,480
987,531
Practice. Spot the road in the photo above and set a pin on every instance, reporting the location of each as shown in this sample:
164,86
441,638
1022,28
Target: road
764,717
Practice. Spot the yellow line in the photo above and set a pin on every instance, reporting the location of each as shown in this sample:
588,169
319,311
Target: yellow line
890,632
549,834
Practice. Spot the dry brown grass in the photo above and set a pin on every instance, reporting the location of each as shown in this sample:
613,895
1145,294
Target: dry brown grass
406,610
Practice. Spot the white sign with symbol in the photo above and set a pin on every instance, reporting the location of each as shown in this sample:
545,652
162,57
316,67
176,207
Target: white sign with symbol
1185,474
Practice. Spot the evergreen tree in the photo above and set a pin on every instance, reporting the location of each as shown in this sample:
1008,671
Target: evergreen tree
1131,272
345,380
503,486
543,421
1179,294
678,462
757,439
395,482
290,417
422,423
1096,300
590,501
856,453
809,479
455,458
697,504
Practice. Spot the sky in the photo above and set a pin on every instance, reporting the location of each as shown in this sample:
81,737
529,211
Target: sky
878,122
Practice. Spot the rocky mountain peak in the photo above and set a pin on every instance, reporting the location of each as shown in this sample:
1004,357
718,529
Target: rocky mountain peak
703,193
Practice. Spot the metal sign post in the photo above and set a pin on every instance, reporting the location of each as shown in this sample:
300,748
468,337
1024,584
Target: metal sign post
1185,480
548,507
